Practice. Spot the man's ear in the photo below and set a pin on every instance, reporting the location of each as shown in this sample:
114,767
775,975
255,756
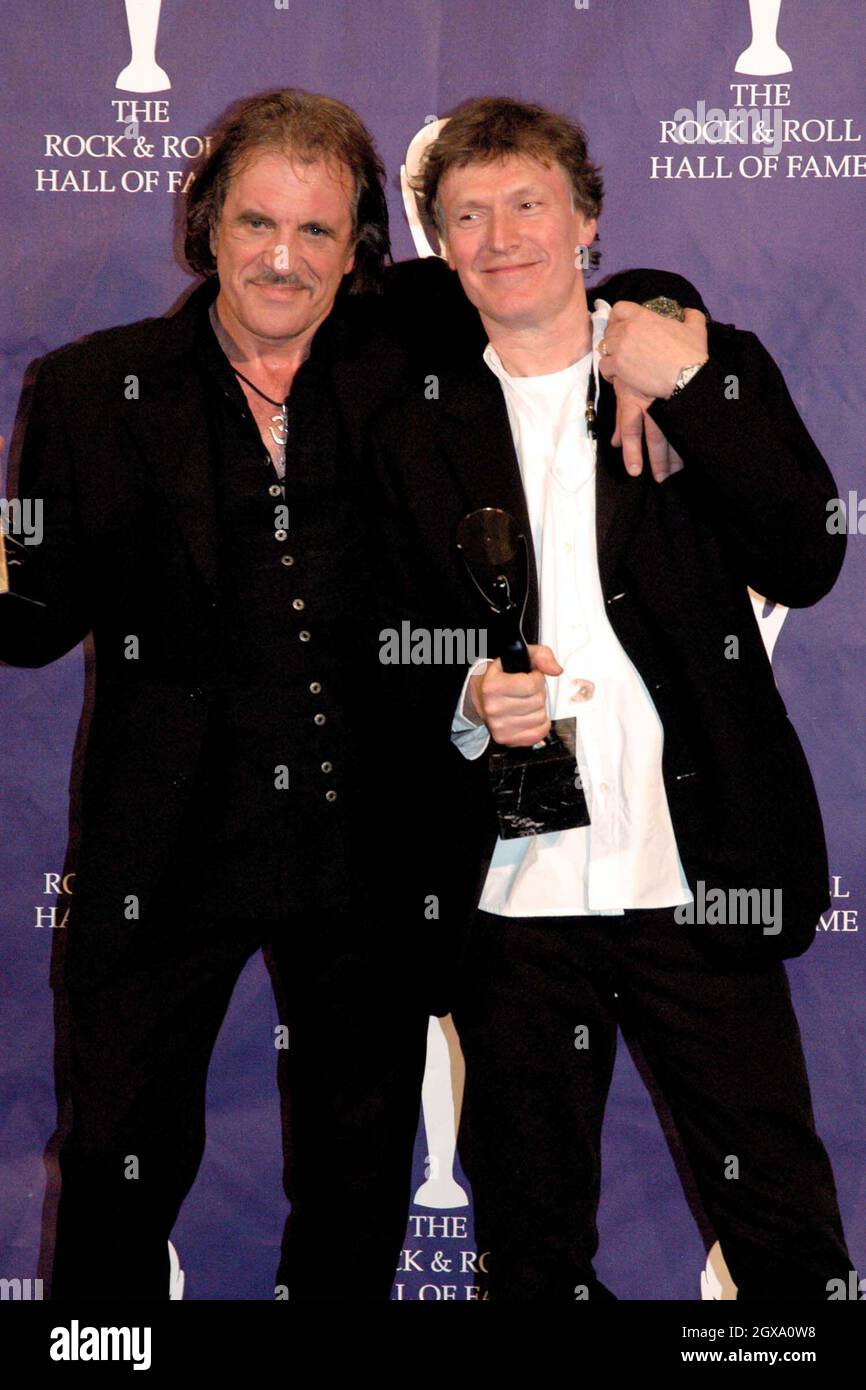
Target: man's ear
590,227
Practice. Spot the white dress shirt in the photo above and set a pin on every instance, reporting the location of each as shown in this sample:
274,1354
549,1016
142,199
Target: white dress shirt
627,857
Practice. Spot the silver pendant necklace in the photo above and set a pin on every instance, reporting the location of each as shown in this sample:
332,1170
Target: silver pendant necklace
278,428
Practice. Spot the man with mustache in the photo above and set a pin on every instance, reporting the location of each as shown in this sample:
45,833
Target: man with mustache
640,626
203,519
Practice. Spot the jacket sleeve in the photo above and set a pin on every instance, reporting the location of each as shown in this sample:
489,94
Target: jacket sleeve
424,307
758,471
412,596
46,613
642,284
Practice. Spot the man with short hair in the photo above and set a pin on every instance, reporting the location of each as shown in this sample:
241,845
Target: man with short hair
694,777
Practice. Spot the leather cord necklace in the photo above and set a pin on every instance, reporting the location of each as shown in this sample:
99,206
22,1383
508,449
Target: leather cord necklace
278,428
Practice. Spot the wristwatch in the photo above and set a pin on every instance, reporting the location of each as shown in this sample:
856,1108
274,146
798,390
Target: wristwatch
685,376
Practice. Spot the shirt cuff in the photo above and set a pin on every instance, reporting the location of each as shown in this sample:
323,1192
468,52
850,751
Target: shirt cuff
471,739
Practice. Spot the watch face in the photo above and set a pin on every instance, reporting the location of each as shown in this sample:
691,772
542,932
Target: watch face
668,308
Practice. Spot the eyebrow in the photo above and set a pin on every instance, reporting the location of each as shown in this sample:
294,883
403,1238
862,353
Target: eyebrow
528,190
251,214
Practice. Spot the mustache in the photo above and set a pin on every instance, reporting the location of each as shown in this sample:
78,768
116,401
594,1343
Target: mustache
272,277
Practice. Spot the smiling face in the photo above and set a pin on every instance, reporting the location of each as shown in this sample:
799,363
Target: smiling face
282,245
512,234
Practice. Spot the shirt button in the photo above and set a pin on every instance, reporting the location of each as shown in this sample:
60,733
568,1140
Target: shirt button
280,535
287,559
330,796
318,719
315,688
275,490
304,636
327,767
604,786
298,604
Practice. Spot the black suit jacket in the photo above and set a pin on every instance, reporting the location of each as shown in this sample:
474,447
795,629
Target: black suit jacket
675,559
115,445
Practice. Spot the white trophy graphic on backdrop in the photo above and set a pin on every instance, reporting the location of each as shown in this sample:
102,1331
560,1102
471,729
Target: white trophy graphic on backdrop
764,57
441,1094
769,616
143,73
716,1282
411,203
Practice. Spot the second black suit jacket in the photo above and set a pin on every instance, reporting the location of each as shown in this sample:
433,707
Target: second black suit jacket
675,558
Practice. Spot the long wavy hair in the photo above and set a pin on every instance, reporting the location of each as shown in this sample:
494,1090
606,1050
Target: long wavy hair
311,127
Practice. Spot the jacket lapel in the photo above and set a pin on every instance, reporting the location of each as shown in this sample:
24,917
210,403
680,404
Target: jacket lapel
168,425
619,498
172,436
472,422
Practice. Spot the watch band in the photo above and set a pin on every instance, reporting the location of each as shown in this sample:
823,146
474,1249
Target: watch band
685,376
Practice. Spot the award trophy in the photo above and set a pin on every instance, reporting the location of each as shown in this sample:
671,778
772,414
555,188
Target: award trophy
143,73
7,562
4,567
536,789
764,57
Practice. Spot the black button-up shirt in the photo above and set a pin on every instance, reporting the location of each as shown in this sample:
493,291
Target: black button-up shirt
278,777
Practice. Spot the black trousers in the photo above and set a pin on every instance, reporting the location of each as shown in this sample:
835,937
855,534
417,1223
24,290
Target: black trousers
140,1044
724,1050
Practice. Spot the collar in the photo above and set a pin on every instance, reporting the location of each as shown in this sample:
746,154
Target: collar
328,341
598,319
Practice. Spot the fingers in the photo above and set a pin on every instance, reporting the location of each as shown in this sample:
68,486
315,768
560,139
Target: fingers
647,350
514,704
542,659
629,431
657,448
633,424
623,310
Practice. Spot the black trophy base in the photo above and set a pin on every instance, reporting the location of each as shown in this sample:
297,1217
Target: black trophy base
538,790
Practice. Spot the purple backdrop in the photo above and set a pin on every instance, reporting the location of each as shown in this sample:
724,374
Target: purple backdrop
770,229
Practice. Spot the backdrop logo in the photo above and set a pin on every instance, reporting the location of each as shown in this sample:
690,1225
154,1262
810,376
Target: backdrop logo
762,131
143,73
764,57
421,231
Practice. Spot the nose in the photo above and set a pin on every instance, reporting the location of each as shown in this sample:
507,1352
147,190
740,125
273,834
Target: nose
279,255
502,235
